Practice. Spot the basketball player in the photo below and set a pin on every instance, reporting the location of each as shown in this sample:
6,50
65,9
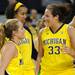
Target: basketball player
51,39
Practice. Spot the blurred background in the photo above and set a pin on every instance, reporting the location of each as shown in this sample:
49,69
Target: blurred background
39,5
35,11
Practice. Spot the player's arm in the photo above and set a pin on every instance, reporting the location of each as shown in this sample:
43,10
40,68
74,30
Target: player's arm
71,32
72,23
71,51
40,53
7,53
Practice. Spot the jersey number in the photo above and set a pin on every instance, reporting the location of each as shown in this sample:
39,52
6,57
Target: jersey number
52,50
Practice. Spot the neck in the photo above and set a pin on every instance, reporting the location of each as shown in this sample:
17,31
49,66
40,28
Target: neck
15,40
56,26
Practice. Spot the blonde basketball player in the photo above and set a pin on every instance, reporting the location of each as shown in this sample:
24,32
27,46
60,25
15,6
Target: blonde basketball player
19,11
11,58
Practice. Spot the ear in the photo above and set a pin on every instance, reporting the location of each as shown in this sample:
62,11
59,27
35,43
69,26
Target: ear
56,18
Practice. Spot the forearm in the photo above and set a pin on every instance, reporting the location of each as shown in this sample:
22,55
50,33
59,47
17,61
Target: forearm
4,63
3,66
2,69
37,65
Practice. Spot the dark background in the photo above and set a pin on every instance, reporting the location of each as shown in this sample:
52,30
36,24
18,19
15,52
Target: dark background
37,4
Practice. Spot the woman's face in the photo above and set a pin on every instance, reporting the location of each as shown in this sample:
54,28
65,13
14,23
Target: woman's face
34,13
48,17
20,32
21,14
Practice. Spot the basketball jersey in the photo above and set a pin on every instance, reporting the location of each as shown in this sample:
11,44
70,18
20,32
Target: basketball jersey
34,34
15,65
54,58
26,50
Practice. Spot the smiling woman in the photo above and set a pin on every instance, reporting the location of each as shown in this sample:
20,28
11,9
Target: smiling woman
16,10
10,52
51,39
19,11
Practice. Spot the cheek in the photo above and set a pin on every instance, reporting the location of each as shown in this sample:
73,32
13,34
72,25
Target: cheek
23,18
51,19
22,33
1,34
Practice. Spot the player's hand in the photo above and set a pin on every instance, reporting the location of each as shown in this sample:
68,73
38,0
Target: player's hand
66,49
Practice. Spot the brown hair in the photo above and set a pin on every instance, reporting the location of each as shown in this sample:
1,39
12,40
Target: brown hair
10,26
60,9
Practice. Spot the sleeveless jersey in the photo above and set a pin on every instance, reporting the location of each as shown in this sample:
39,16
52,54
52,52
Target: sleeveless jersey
26,50
54,58
15,65
34,34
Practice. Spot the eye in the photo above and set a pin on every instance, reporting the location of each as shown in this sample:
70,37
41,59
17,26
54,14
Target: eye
24,13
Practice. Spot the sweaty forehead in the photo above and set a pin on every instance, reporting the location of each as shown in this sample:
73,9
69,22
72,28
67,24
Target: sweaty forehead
47,11
22,9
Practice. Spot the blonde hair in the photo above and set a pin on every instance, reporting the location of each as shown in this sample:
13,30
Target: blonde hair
10,26
2,35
